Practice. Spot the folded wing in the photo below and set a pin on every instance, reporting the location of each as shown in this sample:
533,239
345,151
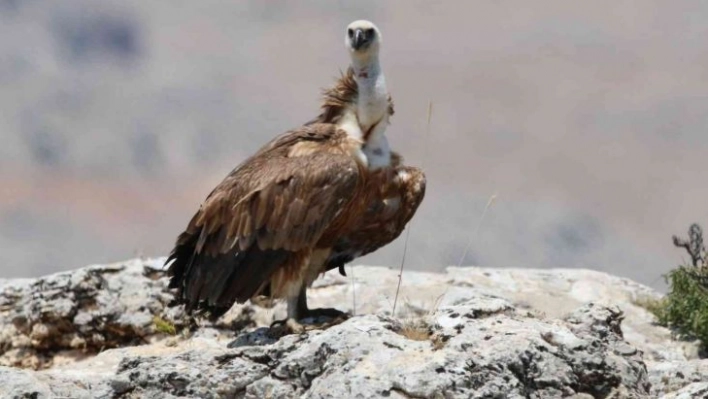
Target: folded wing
264,216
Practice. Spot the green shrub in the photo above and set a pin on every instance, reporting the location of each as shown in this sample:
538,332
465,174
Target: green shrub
685,307
686,304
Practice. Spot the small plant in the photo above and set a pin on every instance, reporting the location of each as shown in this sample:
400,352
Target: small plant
685,307
420,328
164,326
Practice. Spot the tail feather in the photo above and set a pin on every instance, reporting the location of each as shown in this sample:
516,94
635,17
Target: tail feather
211,284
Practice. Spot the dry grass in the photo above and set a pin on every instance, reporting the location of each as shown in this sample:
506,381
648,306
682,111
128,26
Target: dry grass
421,329
651,304
408,229
438,341
416,330
419,324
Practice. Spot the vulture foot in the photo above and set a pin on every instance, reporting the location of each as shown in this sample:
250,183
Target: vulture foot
319,319
287,326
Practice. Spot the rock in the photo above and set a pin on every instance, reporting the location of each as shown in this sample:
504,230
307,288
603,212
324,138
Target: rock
692,391
666,377
20,383
82,312
478,355
112,331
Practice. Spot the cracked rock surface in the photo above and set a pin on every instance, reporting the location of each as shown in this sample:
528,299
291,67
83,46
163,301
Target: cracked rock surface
87,310
370,356
99,332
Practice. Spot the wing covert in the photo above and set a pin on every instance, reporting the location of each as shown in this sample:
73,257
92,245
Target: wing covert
289,209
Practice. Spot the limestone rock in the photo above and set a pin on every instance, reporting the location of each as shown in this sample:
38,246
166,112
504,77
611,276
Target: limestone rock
113,332
459,352
676,376
81,312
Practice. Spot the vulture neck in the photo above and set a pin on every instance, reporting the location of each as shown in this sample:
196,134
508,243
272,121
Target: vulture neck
372,101
371,110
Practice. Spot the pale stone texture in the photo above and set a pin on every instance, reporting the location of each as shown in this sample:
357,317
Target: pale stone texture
469,332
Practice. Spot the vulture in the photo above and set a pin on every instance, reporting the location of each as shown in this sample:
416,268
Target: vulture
310,200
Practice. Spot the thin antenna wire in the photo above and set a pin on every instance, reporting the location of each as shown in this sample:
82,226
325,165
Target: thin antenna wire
476,231
410,225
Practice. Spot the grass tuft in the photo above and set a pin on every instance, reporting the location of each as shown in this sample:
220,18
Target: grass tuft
164,326
416,330
420,329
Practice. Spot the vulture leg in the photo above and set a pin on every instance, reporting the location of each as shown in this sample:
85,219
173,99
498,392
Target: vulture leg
291,323
298,310
303,312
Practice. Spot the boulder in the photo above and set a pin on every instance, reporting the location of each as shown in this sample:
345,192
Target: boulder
113,331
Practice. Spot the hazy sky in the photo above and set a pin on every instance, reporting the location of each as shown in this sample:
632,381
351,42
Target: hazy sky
587,120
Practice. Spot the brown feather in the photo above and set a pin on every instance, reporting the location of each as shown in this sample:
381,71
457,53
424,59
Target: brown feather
263,216
386,216
257,230
336,99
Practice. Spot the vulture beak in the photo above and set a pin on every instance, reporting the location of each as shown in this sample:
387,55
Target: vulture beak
359,39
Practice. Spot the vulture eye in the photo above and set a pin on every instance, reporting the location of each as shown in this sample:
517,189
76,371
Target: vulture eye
369,33
350,32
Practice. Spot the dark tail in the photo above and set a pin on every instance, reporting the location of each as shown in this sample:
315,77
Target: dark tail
209,284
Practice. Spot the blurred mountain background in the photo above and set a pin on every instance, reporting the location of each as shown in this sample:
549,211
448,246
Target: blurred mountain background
587,119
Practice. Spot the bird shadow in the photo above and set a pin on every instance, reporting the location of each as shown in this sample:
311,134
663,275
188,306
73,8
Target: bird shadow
262,336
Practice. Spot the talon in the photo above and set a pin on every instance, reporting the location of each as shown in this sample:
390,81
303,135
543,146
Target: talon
294,327
277,323
287,326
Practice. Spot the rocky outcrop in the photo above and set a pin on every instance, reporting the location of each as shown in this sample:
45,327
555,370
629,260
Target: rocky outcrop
112,332
680,379
82,312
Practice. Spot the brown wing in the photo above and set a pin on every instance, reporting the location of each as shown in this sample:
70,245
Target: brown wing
401,190
260,216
